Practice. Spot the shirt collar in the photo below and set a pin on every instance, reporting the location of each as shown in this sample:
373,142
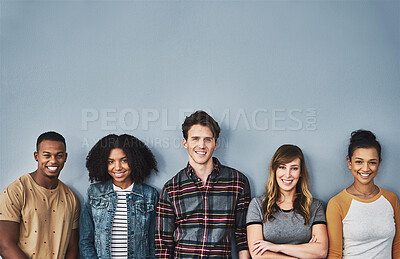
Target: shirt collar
216,169
116,188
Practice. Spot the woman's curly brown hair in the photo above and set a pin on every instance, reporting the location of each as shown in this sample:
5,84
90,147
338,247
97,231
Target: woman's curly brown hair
140,159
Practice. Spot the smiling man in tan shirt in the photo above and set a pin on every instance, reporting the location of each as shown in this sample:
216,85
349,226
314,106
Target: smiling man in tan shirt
39,214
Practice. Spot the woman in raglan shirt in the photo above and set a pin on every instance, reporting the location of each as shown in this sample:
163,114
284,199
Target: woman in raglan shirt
287,222
364,220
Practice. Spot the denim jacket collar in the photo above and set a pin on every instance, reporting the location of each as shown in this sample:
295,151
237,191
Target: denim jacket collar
108,189
98,214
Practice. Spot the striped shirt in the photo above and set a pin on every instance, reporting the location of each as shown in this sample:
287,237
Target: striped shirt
119,232
196,220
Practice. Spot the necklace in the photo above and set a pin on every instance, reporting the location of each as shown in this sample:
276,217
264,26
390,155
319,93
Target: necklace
284,211
366,195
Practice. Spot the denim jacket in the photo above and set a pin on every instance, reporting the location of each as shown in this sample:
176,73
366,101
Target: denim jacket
98,213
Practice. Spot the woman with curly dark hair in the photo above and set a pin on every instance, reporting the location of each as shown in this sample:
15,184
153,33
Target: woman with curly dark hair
118,216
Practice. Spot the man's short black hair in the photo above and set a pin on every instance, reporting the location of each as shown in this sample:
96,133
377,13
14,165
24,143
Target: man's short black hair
50,135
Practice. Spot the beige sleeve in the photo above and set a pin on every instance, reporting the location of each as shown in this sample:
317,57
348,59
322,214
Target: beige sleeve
11,202
77,211
336,210
394,201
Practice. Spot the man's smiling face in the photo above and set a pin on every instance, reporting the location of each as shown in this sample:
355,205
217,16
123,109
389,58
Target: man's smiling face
51,156
200,144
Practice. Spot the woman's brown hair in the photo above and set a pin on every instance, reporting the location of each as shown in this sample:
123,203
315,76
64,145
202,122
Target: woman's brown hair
301,205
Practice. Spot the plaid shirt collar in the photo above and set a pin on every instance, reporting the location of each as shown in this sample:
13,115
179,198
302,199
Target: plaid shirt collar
215,171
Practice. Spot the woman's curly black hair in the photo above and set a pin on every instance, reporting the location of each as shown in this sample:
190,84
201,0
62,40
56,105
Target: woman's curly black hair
140,159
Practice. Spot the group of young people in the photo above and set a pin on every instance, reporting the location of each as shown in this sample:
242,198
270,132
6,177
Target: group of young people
200,211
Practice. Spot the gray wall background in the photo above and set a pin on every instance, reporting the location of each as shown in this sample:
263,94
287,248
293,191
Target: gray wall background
271,72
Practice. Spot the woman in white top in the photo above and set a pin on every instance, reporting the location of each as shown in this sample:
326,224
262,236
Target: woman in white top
364,220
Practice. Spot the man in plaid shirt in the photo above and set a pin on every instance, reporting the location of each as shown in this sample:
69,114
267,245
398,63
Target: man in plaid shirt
205,204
